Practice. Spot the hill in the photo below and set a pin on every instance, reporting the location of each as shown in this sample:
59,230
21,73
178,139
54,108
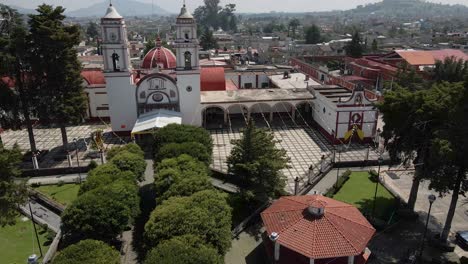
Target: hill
125,7
409,9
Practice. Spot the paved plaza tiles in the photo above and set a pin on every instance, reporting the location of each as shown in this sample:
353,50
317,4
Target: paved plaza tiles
304,145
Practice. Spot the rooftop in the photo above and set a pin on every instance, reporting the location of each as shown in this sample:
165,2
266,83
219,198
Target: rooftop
255,95
295,80
340,231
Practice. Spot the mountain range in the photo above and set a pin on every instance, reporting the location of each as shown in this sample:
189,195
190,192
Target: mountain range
125,7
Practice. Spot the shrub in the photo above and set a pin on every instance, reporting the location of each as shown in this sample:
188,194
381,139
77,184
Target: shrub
92,165
175,133
186,249
194,149
373,176
330,192
102,213
131,147
205,214
104,175
89,252
127,161
60,183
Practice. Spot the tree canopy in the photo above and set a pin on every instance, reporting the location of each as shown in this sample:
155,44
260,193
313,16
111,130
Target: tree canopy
174,150
102,213
312,35
181,176
175,133
56,69
205,214
207,41
354,48
187,249
104,175
130,147
256,164
211,14
12,194
89,252
127,161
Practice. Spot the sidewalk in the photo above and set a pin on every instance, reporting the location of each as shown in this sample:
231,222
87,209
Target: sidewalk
65,178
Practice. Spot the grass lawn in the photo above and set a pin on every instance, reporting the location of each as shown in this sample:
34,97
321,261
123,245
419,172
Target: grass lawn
64,194
359,190
16,242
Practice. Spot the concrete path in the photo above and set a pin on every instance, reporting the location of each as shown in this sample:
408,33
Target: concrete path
225,186
55,179
42,215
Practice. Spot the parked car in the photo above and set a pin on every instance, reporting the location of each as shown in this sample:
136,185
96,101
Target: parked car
462,239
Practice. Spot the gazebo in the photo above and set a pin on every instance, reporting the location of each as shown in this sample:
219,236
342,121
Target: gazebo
314,229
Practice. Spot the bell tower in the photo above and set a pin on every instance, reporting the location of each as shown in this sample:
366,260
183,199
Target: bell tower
118,71
188,67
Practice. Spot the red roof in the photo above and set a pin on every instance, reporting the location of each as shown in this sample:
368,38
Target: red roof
159,56
94,77
212,79
429,57
341,231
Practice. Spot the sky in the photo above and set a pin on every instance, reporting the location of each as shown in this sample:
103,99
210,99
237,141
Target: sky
250,6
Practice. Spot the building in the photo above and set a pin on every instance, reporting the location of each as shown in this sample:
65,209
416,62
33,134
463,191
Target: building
314,229
181,88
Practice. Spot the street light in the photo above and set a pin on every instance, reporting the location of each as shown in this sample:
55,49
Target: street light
380,160
77,158
431,199
338,167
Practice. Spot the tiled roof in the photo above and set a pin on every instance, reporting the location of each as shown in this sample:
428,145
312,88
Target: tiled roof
94,77
429,57
212,79
341,231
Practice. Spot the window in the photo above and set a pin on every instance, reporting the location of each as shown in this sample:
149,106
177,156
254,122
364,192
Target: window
188,60
102,108
248,85
265,85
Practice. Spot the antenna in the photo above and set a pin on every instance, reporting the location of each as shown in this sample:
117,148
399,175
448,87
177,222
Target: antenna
110,2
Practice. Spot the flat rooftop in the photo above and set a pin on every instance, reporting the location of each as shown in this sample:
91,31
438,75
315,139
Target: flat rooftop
333,93
255,95
295,80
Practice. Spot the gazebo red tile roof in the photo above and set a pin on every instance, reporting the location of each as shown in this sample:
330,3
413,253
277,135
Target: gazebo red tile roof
341,231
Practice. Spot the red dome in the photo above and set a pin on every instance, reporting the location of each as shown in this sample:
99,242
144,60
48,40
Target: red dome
159,56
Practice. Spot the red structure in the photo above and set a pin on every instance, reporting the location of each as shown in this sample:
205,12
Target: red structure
212,79
316,229
159,57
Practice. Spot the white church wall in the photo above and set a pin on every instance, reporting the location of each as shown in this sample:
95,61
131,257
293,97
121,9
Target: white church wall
122,103
98,102
189,90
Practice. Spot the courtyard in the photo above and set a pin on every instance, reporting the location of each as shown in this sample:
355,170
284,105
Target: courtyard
305,147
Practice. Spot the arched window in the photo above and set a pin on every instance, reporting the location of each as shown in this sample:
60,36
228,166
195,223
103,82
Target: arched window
188,60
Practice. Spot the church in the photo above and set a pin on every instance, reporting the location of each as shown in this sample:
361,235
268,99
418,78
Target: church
181,88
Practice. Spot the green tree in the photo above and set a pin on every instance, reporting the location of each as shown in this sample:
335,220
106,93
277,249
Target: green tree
292,27
211,14
354,47
150,44
256,163
130,147
181,176
407,77
12,194
187,249
14,62
92,30
194,149
89,252
102,213
104,175
312,35
407,133
205,214
375,45
446,168
450,70
127,161
56,69
207,41
174,133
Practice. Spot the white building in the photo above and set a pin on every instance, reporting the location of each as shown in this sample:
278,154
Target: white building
170,88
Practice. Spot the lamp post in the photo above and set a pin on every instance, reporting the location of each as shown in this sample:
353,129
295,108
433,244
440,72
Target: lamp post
431,199
338,167
376,185
77,158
